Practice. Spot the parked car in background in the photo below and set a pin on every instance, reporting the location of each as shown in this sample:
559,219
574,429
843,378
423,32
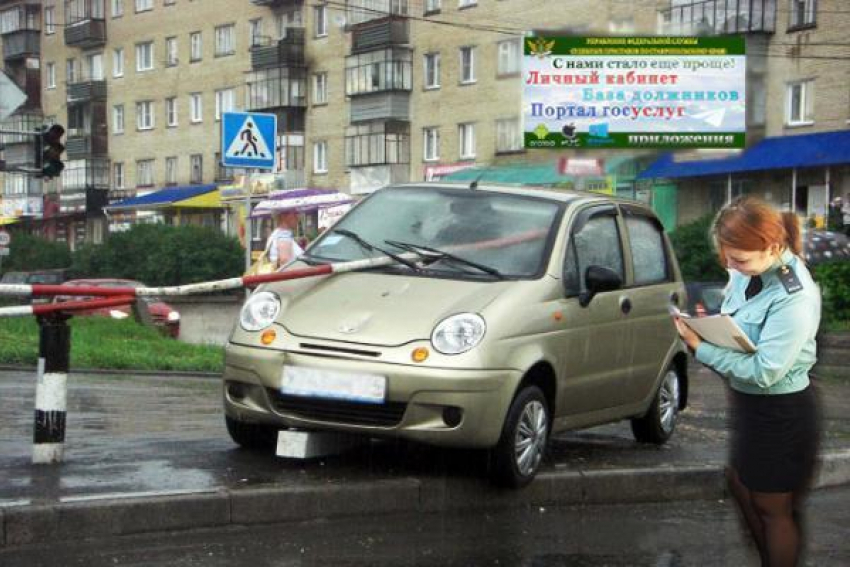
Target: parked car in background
704,298
507,314
165,317
44,277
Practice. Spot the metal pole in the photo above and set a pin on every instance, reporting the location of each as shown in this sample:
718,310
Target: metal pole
248,235
54,351
794,190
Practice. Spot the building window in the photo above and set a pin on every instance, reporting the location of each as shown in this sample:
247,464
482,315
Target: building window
171,170
196,174
432,6
144,115
255,31
118,119
321,14
171,112
466,142
94,66
223,102
168,2
320,157
224,40
51,75
431,144
144,5
799,108
432,70
144,173
377,143
144,56
118,62
508,137
467,65
196,107
461,4
803,13
376,71
320,88
49,20
118,175
71,71
509,57
117,8
196,47
170,51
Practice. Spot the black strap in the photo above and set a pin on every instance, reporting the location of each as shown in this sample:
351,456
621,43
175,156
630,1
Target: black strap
754,287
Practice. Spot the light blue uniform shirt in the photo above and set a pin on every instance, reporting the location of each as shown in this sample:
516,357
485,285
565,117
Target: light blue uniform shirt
782,325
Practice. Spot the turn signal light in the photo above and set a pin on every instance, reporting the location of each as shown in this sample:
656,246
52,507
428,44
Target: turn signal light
268,337
420,354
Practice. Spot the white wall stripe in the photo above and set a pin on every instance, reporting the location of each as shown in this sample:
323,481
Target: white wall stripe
51,392
43,453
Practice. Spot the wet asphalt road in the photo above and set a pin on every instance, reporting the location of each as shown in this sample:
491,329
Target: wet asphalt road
652,535
147,434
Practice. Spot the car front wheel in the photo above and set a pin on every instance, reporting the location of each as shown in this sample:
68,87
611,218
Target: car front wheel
251,435
659,422
518,455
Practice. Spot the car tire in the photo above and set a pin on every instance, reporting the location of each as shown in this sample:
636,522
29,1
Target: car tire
519,453
253,436
658,424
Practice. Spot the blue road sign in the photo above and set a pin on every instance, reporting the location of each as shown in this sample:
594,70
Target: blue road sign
248,139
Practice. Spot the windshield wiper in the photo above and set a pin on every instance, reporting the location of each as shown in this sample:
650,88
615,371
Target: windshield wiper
434,255
371,247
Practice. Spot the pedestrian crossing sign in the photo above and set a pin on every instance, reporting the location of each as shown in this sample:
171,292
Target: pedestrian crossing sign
248,139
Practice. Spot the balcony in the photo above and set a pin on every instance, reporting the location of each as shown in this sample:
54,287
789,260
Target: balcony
275,88
86,90
377,143
286,52
86,34
385,106
717,17
376,34
274,3
85,185
21,43
82,144
359,11
378,71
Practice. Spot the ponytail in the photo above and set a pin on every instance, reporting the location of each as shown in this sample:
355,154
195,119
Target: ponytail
793,238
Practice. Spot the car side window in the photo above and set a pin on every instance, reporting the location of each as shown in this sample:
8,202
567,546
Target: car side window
648,256
596,243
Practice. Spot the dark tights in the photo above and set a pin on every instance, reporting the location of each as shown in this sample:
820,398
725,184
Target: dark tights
773,519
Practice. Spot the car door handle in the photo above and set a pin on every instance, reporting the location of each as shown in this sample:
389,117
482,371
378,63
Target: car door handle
625,305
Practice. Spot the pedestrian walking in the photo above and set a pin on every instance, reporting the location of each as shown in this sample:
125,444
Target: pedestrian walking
775,424
281,243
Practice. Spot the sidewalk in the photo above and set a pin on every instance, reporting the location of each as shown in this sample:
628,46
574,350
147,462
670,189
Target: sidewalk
146,453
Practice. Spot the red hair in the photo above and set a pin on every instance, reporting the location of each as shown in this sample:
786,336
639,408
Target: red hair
749,223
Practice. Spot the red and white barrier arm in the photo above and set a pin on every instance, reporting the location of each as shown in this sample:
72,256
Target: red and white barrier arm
45,308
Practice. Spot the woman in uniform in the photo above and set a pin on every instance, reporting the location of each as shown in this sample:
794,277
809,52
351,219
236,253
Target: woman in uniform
775,429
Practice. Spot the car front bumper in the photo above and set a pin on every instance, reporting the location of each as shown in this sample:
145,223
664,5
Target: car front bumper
417,398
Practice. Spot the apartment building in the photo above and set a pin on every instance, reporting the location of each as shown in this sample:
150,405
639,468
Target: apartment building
21,197
798,107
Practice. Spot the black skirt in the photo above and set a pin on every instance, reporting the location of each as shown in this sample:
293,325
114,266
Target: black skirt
775,440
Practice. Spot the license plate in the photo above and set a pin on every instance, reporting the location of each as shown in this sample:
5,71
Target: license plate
319,383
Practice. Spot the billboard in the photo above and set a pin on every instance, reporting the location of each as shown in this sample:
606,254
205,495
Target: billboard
634,92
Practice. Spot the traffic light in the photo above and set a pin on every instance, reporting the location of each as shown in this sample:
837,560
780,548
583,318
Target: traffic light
48,152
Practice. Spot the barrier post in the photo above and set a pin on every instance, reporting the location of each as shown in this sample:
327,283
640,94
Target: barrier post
51,392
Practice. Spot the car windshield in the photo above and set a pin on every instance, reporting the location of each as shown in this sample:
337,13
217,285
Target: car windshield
505,234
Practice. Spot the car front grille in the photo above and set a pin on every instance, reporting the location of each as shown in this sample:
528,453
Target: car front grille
337,411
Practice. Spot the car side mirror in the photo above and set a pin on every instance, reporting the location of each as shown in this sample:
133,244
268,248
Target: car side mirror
596,280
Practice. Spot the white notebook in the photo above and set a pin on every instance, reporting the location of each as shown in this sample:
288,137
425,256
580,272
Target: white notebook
720,330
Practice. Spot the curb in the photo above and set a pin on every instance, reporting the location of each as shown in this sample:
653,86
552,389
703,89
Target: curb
122,371
94,517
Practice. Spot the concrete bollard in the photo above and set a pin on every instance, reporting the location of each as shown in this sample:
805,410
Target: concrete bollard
51,392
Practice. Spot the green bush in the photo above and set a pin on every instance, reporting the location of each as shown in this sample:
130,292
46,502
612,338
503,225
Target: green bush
834,280
695,251
158,255
28,253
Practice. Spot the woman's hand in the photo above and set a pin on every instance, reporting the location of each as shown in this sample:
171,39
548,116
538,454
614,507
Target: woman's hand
691,338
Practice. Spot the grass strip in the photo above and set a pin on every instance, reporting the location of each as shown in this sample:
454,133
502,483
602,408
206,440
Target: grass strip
99,342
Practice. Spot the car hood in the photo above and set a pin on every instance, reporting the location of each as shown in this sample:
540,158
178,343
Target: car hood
380,309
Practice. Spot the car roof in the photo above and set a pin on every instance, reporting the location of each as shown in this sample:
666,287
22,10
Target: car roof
569,196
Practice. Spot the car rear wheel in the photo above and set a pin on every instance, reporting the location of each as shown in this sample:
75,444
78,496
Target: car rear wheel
254,436
660,421
518,455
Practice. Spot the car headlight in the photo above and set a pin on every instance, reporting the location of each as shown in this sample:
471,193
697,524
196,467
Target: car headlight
116,314
259,311
173,316
458,333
